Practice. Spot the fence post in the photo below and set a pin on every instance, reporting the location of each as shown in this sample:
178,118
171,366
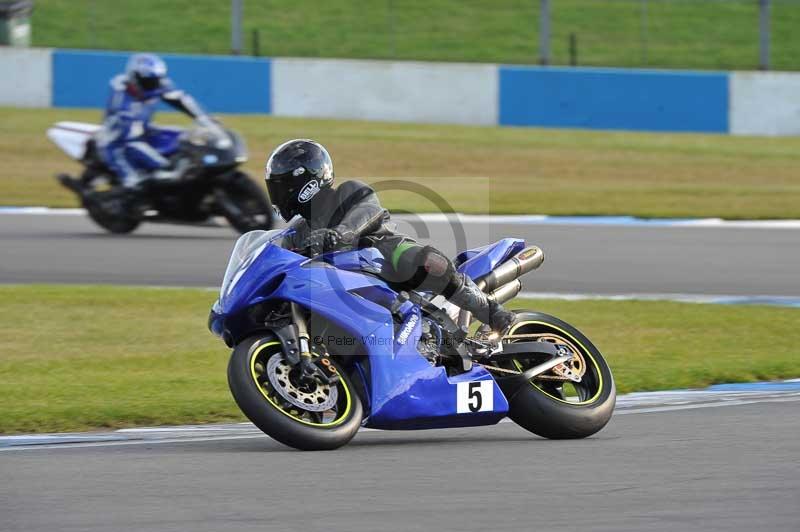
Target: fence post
392,29
256,42
236,27
643,30
544,32
763,33
91,16
573,49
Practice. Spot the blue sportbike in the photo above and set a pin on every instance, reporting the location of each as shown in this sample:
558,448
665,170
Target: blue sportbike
203,181
325,345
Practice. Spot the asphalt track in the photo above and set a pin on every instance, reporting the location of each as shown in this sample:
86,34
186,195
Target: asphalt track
599,259
732,468
721,467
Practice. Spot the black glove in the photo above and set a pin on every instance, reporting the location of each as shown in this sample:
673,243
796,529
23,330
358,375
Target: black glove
321,240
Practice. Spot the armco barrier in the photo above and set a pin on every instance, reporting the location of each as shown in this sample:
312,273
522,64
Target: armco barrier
743,103
614,99
222,84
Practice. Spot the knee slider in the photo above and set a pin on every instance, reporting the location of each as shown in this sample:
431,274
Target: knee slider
435,264
440,274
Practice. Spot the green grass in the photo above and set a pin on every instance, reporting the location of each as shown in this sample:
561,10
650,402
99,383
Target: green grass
77,358
481,169
668,33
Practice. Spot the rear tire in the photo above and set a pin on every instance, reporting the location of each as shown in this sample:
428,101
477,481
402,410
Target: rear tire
265,408
245,205
542,407
113,224
94,185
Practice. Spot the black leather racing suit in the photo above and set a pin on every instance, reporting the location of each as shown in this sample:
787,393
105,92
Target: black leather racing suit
354,211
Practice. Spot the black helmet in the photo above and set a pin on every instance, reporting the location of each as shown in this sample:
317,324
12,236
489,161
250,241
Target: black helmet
296,171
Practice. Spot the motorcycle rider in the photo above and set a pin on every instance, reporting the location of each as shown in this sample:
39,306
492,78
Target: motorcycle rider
299,176
122,142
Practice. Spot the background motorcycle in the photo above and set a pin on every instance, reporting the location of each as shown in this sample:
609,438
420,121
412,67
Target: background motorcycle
204,180
323,346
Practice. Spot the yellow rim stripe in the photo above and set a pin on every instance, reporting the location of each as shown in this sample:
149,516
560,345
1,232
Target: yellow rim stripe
281,410
586,352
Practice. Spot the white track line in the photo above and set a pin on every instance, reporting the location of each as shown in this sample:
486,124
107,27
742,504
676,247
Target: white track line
617,221
514,219
673,408
245,431
781,301
785,301
42,211
84,445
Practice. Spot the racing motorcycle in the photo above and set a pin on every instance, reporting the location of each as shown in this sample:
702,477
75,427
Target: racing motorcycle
203,181
324,345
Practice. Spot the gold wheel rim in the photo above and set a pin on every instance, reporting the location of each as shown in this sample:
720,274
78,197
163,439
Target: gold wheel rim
583,352
294,413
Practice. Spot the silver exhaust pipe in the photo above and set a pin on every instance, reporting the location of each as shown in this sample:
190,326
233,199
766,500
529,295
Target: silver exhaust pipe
502,279
523,262
506,292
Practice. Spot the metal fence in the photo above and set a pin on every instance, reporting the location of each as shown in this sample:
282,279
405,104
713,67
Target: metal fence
685,34
713,34
703,34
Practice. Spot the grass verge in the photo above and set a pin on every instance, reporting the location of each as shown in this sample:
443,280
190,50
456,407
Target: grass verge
481,169
78,358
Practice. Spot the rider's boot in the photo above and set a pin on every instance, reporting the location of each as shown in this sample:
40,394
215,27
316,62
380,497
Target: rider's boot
471,298
134,195
71,183
174,172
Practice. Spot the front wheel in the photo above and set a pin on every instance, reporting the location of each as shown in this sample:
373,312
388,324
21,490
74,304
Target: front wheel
551,404
245,205
305,416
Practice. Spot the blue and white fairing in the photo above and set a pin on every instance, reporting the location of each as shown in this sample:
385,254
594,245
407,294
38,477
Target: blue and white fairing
403,390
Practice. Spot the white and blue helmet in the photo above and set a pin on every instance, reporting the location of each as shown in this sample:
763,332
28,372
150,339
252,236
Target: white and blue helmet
146,72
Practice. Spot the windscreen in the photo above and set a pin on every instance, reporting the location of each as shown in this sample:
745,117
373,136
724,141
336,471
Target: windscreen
247,249
209,134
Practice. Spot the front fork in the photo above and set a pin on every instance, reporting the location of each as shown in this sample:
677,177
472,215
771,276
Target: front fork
302,330
297,349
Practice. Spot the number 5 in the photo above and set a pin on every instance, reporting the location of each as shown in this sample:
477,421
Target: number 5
472,397
475,393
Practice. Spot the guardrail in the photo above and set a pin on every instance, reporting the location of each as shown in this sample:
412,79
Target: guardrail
746,103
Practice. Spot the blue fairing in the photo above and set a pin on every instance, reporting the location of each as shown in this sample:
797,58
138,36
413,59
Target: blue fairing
365,259
480,261
164,139
404,391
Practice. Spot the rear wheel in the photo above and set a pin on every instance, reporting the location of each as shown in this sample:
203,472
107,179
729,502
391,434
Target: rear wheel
245,205
305,416
552,404
106,203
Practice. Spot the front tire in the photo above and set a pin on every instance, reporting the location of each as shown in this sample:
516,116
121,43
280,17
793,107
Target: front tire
269,408
544,406
245,205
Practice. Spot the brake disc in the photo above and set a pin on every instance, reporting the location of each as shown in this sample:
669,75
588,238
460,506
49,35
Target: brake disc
314,396
572,370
